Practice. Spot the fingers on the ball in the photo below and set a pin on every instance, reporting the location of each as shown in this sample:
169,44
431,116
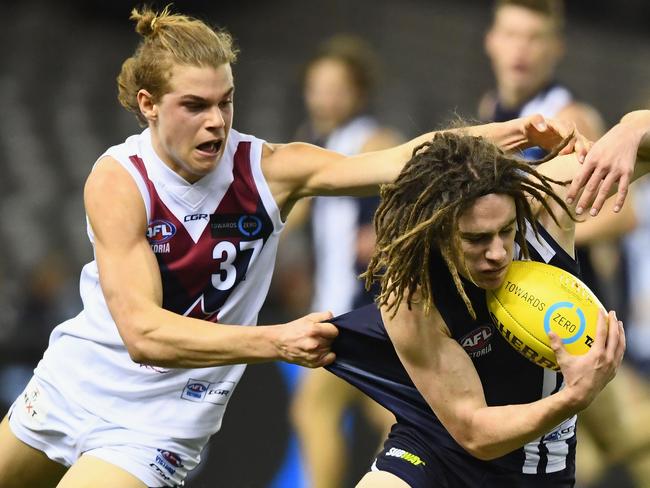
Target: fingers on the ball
556,342
622,343
601,329
613,336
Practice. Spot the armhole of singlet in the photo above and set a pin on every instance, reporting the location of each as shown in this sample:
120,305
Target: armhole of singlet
139,181
257,146
546,245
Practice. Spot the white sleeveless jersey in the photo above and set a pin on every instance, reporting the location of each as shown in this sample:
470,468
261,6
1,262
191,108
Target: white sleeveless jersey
548,102
215,242
334,222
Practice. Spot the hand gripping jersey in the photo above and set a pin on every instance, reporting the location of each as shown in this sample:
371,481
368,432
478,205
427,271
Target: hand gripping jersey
215,242
366,358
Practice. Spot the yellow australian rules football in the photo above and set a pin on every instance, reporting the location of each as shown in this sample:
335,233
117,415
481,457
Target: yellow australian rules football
536,298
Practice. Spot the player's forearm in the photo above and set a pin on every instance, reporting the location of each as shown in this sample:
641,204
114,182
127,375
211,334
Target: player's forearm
507,135
363,174
639,121
162,338
497,431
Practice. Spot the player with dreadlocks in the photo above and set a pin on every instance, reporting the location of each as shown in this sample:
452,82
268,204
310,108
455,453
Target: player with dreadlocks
445,177
471,411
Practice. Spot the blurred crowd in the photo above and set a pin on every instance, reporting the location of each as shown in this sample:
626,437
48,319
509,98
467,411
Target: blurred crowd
337,91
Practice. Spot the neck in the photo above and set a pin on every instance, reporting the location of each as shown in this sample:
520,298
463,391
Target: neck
324,128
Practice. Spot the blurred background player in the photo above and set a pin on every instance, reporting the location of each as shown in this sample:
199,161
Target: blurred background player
525,44
338,83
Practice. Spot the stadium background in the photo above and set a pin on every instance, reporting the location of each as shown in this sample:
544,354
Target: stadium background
58,112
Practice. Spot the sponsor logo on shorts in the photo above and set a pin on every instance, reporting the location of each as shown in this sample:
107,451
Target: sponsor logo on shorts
166,463
30,401
159,471
414,459
203,391
35,405
477,342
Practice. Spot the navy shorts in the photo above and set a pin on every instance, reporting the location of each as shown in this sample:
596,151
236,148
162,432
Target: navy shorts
408,455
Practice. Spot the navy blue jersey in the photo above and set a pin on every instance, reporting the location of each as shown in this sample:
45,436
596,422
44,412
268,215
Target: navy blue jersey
367,359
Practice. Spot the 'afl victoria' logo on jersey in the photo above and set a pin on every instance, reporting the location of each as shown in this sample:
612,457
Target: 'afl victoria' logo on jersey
160,231
196,390
203,391
477,342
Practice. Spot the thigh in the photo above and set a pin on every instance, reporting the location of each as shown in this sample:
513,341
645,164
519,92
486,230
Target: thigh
381,418
92,472
22,465
322,390
381,479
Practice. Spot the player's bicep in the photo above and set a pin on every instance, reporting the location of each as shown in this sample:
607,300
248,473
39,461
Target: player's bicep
438,366
128,271
300,170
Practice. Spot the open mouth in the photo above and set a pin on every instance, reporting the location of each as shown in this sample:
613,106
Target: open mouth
210,147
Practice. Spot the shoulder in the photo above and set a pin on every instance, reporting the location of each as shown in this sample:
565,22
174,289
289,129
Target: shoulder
106,172
289,158
382,138
487,105
109,183
586,118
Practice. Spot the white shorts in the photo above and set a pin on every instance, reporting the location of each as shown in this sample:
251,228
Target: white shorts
62,429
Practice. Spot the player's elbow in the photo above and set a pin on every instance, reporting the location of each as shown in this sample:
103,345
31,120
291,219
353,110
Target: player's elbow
479,446
136,345
139,352
136,335
483,452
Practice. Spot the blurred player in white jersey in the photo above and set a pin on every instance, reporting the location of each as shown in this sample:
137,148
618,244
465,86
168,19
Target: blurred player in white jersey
338,83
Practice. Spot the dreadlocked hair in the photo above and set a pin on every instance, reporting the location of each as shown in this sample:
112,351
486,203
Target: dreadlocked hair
421,209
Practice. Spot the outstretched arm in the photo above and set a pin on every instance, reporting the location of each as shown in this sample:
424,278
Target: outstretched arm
300,170
156,336
445,376
612,160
